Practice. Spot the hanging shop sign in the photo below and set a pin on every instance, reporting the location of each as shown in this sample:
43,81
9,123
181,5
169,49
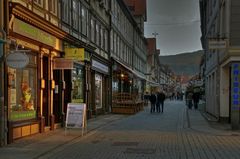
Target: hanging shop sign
235,98
100,67
217,44
74,54
62,64
17,60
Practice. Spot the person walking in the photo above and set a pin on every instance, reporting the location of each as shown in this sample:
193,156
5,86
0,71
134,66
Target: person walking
189,99
196,97
152,99
160,101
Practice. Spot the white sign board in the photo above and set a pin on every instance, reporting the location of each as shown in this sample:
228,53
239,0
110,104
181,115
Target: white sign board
217,44
76,115
17,60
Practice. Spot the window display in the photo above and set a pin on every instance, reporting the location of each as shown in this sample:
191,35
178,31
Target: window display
22,84
98,91
77,85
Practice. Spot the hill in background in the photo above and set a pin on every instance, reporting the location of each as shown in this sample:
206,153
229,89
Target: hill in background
183,64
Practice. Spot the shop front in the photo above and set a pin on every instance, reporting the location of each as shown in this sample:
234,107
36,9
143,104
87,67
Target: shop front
30,88
100,87
126,89
122,79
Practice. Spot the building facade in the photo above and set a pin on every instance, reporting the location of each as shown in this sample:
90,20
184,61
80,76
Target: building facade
219,24
128,51
75,51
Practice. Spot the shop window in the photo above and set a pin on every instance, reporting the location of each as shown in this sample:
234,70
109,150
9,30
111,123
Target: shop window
22,86
77,85
98,91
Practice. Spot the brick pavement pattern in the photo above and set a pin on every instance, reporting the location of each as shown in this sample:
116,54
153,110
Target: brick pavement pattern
177,133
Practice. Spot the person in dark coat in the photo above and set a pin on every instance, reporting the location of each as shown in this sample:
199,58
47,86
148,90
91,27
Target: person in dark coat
196,96
152,99
160,101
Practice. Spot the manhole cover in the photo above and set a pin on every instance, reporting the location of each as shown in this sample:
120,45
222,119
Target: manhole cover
125,144
140,151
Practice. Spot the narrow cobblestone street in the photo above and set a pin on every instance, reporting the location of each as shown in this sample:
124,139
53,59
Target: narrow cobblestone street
147,136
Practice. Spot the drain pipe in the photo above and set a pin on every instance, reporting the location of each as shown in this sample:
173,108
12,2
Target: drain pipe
3,137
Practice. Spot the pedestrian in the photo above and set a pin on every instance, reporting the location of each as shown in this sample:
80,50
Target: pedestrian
152,99
160,101
189,99
146,98
196,96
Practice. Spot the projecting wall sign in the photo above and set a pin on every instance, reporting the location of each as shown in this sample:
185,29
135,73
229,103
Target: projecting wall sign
17,60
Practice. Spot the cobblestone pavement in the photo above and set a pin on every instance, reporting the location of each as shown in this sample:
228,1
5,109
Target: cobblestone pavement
177,133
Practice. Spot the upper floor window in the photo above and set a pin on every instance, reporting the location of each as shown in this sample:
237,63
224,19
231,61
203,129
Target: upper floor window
92,30
106,39
65,11
52,4
97,34
84,20
102,40
39,2
75,14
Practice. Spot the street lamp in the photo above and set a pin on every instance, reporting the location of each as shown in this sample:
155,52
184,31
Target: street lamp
155,34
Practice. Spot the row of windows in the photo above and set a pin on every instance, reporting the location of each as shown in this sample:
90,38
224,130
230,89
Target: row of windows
99,34
120,49
75,14
121,22
139,64
51,5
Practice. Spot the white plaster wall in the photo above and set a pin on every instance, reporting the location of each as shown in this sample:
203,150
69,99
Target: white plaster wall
224,92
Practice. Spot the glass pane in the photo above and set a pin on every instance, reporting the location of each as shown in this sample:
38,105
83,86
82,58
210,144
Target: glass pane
78,83
23,92
98,91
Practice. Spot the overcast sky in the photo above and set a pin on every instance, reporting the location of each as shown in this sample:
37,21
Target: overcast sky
177,23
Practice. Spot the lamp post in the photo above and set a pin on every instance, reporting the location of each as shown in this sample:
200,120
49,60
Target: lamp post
155,34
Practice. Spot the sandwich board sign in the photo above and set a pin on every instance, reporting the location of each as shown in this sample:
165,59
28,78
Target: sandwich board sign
76,116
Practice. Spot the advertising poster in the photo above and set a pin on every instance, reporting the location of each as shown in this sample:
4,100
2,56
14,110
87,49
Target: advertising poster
76,115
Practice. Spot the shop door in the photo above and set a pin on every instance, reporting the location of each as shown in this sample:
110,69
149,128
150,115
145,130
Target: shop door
46,109
57,96
68,88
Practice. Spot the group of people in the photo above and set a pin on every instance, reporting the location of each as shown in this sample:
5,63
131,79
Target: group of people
192,99
157,100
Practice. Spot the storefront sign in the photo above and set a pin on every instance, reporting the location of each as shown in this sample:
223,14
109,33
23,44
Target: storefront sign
76,115
62,64
217,44
17,60
22,115
235,99
34,33
74,54
99,66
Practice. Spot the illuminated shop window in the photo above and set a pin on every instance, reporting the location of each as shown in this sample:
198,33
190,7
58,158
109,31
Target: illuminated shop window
22,87
77,85
98,91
